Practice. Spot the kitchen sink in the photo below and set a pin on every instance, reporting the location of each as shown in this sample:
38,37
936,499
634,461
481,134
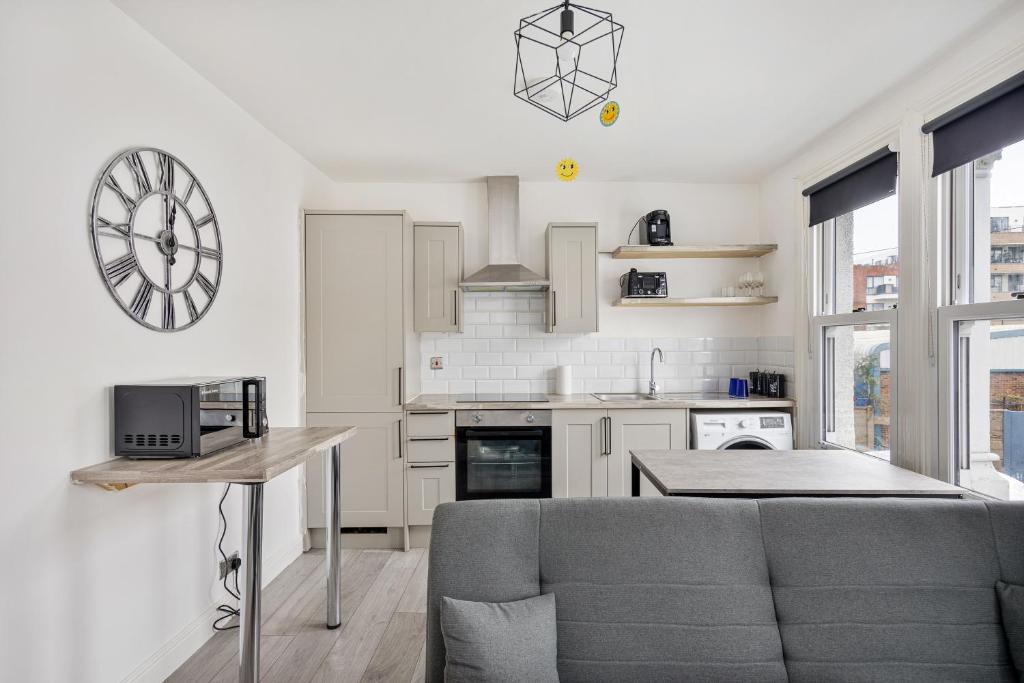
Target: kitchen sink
624,397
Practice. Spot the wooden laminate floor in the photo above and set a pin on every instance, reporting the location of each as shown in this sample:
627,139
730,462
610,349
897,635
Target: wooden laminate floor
382,633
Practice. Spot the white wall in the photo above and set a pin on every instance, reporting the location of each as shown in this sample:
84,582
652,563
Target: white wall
93,584
700,213
980,60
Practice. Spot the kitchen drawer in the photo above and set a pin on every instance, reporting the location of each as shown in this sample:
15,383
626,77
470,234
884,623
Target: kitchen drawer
430,449
430,423
428,486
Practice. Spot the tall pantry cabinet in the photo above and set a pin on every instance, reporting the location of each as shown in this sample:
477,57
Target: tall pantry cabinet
361,357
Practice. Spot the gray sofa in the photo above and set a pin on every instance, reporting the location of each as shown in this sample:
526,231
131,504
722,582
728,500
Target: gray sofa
674,589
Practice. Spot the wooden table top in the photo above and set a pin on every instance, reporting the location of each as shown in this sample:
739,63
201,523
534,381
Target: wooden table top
250,462
752,473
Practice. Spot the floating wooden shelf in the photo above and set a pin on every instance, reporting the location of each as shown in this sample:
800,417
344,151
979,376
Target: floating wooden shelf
638,251
698,301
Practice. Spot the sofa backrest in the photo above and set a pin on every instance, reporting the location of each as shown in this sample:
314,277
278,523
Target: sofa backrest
704,589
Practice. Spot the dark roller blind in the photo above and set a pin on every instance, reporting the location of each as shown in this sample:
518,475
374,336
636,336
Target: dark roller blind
865,182
980,126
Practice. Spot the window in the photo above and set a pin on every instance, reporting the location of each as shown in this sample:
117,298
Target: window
981,325
856,246
858,387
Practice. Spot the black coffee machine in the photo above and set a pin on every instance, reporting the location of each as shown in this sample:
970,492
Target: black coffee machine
656,231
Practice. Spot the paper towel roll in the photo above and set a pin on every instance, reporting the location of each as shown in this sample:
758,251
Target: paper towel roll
563,380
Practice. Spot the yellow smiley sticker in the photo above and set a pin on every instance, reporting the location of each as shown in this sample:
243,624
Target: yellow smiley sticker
609,113
567,170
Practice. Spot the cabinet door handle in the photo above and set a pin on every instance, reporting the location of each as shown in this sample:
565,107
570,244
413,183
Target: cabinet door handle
429,438
428,412
399,385
554,308
455,308
429,467
399,423
602,436
608,429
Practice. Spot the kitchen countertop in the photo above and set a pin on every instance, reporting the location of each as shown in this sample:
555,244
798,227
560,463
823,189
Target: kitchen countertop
582,401
757,474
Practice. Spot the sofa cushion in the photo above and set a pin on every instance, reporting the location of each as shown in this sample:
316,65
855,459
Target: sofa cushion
659,589
500,641
885,589
479,550
1011,608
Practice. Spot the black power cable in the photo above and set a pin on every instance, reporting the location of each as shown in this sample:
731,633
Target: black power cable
227,611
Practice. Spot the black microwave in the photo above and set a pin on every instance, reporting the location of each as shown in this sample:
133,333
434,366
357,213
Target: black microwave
188,418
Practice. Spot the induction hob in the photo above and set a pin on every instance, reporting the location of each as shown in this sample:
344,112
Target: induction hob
502,398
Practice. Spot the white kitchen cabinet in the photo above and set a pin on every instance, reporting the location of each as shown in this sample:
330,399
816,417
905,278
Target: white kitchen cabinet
438,271
579,459
429,485
641,428
572,269
358,287
372,471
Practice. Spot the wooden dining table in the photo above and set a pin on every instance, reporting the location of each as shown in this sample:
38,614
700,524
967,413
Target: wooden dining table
250,464
766,474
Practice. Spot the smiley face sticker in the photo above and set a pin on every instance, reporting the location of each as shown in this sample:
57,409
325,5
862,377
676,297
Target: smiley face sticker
609,113
567,169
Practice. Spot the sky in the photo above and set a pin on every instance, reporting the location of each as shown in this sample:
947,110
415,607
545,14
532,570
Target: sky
874,232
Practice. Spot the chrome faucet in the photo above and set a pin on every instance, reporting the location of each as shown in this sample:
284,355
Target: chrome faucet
652,389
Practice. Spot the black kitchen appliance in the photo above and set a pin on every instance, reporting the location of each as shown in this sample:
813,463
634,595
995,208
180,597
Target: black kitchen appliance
502,454
656,230
643,285
188,418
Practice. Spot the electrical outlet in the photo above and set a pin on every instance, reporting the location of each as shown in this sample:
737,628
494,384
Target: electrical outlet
437,363
229,565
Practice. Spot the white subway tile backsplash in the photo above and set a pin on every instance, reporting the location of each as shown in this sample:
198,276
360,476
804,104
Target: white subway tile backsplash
476,372
531,372
503,372
584,344
503,318
570,358
474,318
506,347
553,343
611,344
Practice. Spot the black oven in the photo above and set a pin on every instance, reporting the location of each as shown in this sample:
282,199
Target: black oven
502,454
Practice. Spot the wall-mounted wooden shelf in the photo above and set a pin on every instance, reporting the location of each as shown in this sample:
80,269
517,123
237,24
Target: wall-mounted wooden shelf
698,301
638,251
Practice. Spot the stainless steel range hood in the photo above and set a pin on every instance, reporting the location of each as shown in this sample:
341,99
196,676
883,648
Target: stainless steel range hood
503,272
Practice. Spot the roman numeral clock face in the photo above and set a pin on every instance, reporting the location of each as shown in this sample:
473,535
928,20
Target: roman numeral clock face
156,239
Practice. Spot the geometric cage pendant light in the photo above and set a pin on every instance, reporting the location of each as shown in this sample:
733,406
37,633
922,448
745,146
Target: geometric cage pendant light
566,58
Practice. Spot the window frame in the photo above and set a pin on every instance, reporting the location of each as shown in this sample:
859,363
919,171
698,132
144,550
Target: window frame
952,433
957,287
824,317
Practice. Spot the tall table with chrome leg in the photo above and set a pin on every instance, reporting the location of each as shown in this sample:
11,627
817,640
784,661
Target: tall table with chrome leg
251,465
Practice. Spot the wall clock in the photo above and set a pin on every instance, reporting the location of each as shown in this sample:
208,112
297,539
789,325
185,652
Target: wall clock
156,239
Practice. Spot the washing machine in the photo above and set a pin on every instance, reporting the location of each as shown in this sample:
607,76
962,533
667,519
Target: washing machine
740,429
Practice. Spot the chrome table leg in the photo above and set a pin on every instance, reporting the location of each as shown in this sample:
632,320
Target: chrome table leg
249,610
332,498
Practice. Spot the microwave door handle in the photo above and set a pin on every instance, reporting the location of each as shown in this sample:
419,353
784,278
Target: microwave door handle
248,430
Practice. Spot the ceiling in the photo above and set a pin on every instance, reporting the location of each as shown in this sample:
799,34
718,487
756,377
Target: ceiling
407,90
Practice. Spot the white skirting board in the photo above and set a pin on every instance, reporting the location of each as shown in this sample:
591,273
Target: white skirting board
189,639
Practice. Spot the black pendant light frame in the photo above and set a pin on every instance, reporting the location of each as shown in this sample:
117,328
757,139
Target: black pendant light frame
533,32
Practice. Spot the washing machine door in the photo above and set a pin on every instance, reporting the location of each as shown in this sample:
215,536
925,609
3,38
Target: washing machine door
746,443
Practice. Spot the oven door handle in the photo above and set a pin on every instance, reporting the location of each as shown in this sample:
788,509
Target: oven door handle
506,434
